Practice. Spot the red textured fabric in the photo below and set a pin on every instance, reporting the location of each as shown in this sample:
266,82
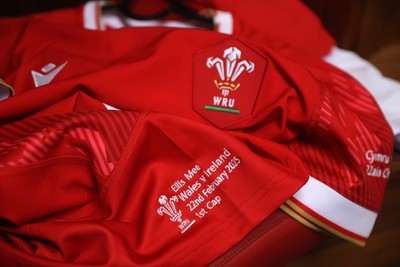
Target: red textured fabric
265,246
285,25
96,181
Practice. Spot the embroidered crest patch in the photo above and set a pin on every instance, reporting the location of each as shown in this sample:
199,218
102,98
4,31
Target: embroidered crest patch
226,82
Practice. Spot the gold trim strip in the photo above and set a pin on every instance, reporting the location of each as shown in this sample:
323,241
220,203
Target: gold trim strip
323,225
300,219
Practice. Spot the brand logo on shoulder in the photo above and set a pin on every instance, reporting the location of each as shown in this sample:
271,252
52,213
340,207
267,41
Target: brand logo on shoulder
49,71
227,79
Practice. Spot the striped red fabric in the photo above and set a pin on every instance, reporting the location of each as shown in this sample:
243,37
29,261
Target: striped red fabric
31,140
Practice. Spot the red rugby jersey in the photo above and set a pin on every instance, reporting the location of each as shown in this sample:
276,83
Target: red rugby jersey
264,104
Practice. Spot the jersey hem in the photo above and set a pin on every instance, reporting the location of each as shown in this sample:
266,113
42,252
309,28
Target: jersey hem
319,204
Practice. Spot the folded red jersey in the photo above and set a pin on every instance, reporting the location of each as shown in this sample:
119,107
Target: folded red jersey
215,133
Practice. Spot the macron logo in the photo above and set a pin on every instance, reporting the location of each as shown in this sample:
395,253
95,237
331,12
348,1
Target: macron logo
48,73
